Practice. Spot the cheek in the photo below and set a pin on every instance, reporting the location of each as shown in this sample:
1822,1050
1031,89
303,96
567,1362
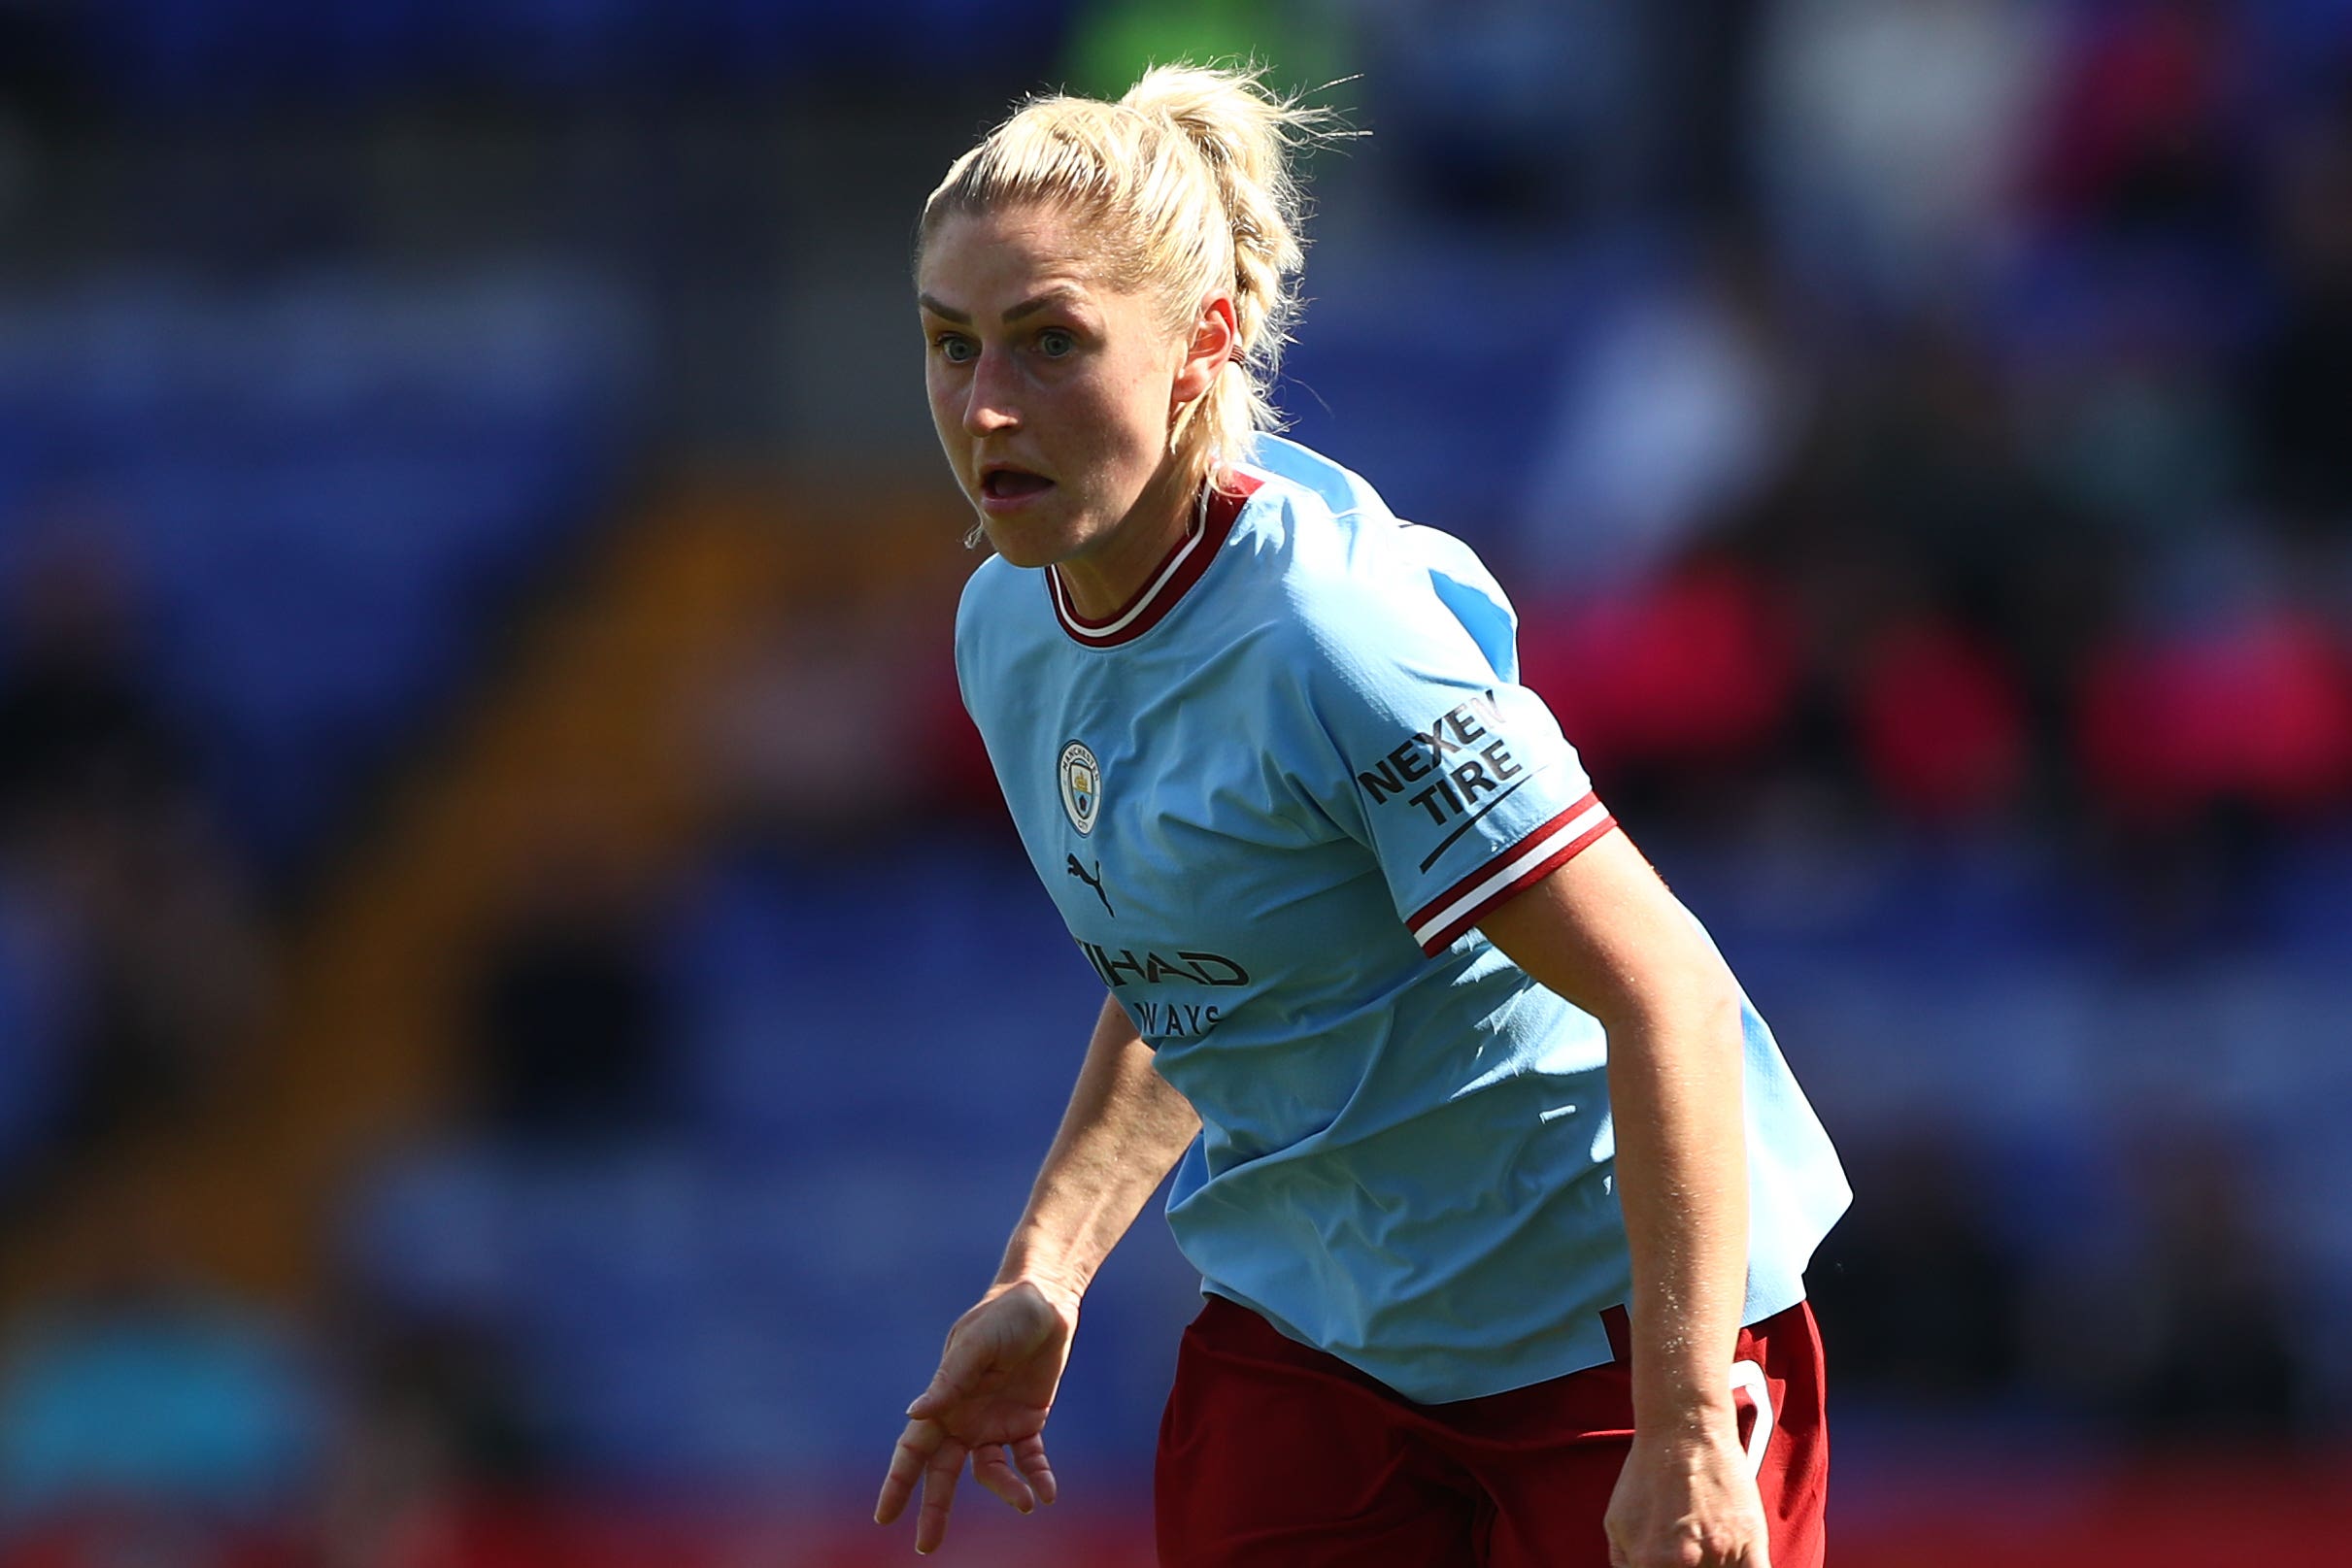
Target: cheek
1130,415
946,417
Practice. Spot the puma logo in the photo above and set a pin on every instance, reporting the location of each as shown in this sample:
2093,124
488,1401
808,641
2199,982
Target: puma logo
1095,882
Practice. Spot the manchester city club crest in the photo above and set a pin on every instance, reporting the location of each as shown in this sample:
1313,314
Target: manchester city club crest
1081,786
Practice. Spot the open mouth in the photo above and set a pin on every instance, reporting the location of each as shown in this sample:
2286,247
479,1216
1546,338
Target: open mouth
1011,485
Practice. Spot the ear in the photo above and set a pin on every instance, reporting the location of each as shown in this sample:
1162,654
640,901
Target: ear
1216,340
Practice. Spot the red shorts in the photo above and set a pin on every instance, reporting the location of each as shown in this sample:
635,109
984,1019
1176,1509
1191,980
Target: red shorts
1276,1455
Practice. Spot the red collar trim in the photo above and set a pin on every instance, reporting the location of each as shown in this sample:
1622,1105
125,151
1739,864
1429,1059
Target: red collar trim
1168,582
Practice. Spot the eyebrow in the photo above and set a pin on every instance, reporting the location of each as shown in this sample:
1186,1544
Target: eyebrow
1028,306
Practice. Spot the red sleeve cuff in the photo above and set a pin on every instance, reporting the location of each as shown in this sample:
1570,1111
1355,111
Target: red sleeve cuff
1438,922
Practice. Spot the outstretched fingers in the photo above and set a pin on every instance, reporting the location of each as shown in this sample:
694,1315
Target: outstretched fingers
1029,1454
992,1470
915,1447
939,1478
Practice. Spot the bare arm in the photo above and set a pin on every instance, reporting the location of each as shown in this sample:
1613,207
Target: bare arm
1124,1129
997,1376
1604,933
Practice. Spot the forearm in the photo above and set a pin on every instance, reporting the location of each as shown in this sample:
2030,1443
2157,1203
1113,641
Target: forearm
1603,932
1681,1176
1124,1127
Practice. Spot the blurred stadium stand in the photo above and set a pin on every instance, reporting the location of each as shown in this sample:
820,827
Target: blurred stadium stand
520,1023
320,482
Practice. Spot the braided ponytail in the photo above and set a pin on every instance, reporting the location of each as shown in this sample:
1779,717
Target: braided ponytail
1189,181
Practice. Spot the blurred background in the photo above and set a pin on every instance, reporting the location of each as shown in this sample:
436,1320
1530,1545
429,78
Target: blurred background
523,1021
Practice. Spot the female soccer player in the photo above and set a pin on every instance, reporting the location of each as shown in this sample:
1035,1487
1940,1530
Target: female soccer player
1501,1192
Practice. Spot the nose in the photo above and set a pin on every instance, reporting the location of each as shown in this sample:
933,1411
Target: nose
988,406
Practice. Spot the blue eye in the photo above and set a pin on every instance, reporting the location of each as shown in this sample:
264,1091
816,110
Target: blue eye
955,350
1054,342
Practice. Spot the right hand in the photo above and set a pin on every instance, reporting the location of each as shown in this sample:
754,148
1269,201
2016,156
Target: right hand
989,1400
1688,1504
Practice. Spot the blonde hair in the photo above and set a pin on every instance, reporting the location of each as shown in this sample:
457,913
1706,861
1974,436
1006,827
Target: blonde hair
1188,182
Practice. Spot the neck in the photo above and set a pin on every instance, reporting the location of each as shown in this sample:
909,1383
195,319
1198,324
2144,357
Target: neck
1101,580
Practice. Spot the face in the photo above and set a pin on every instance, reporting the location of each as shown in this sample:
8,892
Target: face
1052,392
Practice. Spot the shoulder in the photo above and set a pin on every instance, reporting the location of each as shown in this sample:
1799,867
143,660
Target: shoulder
1303,472
991,582
1005,637
994,598
1322,539
1357,582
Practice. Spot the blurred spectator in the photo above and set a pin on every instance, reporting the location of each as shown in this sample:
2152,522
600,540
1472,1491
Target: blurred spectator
81,728
36,60
1940,722
139,1388
1688,678
2302,378
1892,135
566,1010
1513,114
2139,436
2177,1328
171,971
35,1032
1919,1297
2253,711
1915,512
2207,744
433,1430
102,819
815,731
2147,118
1689,402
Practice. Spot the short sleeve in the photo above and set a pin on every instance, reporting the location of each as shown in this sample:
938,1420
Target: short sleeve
1457,778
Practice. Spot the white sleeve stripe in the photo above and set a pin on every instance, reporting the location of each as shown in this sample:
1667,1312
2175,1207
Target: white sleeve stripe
1508,868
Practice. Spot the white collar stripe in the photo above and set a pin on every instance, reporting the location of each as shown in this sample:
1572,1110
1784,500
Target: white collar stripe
1109,629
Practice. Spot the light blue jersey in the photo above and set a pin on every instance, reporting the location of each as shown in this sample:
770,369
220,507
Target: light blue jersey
1273,796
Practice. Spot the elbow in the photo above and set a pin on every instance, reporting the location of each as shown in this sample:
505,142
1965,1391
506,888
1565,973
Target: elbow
1700,1004
1724,1012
